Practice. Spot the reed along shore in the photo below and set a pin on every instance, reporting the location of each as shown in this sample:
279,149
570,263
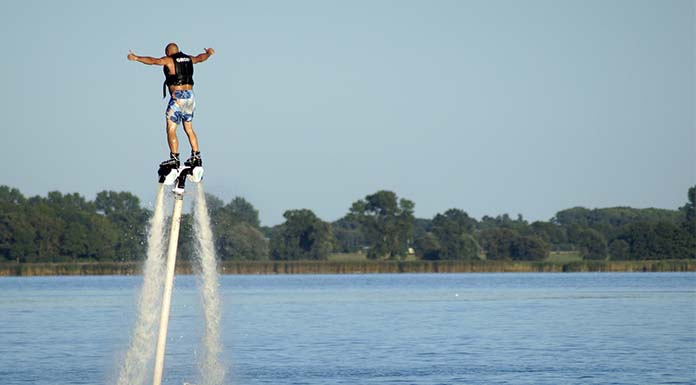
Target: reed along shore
362,267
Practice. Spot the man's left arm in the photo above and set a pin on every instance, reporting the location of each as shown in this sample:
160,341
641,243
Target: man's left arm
204,56
147,59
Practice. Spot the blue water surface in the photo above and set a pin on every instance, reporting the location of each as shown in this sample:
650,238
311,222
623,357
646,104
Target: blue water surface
425,329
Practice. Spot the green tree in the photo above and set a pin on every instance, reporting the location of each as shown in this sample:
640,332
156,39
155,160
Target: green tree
186,248
213,203
507,244
609,221
579,216
16,237
71,209
574,233
241,241
16,233
689,210
657,240
640,237
236,229
592,244
551,233
387,223
497,242
690,223
528,248
11,197
48,229
428,247
73,228
503,221
618,249
453,230
243,211
672,240
123,210
302,236
102,235
455,220
349,235
421,226
469,248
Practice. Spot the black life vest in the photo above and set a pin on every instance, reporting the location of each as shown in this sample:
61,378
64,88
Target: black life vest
183,64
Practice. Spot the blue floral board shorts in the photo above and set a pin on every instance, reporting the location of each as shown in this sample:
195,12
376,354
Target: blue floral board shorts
181,106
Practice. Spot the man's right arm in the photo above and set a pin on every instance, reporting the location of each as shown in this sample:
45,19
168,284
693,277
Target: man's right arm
147,59
204,56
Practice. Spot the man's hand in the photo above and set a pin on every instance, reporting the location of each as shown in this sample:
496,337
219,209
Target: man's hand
204,56
147,59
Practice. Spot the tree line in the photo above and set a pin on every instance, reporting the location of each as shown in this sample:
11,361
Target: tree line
69,228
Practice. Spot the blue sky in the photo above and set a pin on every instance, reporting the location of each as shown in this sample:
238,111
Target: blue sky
490,106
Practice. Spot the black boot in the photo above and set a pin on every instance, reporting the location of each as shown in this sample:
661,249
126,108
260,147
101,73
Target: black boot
172,162
195,160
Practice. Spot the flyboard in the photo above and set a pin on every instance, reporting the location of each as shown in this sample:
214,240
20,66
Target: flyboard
177,177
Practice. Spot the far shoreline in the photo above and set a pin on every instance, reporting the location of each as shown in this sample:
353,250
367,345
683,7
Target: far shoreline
13,269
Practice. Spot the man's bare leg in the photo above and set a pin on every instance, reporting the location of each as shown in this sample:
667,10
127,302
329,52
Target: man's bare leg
193,139
195,159
171,137
173,160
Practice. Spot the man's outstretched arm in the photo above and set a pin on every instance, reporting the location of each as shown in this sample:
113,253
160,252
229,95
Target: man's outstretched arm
147,59
204,56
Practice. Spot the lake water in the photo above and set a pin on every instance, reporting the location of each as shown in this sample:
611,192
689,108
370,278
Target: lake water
368,329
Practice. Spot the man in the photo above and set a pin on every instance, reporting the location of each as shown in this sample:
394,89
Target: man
178,72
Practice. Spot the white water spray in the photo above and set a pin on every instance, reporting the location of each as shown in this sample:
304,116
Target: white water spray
212,370
134,369
154,300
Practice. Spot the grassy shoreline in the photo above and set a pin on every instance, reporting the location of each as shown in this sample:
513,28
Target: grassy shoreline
354,267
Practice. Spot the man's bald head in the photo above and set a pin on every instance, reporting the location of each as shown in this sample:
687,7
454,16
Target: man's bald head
171,49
